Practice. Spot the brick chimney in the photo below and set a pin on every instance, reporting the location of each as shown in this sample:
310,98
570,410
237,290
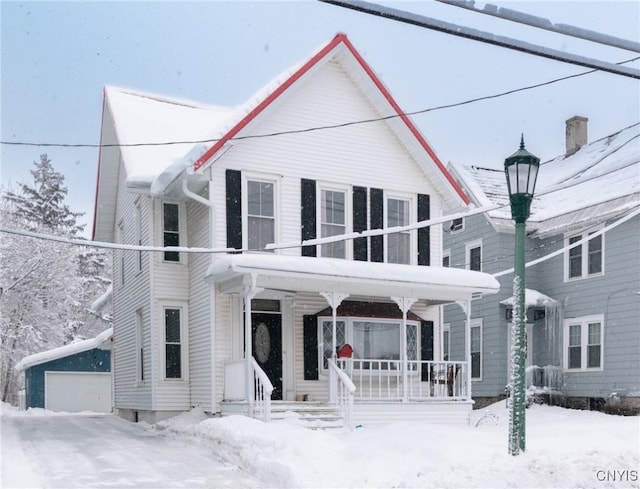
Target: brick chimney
576,133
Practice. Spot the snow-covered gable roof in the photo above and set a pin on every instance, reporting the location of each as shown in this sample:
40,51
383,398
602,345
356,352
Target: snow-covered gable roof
102,341
599,181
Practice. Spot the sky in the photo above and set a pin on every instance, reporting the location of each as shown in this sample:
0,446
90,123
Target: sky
56,57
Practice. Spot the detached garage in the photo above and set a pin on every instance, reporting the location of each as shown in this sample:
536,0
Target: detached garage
72,378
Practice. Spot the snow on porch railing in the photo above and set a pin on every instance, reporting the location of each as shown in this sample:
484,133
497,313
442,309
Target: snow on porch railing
262,389
384,379
341,392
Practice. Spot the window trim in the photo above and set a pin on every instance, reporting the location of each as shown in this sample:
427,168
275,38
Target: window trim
349,320
262,178
467,253
583,322
452,229
584,247
413,211
476,323
184,338
348,196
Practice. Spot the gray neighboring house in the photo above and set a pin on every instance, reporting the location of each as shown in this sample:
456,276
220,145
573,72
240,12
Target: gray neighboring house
583,304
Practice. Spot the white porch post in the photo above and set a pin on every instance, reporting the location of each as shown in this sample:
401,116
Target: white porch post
404,303
334,299
466,307
249,292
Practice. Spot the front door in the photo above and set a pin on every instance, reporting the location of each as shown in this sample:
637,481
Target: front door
266,333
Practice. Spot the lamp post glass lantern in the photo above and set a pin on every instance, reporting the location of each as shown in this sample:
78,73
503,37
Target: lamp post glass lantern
521,169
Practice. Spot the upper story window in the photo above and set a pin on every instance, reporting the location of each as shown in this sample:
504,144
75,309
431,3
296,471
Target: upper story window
333,222
583,343
398,244
261,220
586,259
446,258
474,256
457,225
171,230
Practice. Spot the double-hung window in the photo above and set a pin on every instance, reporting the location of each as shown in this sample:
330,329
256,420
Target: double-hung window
171,230
583,343
476,349
173,340
261,220
398,244
585,259
373,339
474,256
333,222
446,258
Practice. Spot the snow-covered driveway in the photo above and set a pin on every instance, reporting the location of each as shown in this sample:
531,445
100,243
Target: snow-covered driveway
83,451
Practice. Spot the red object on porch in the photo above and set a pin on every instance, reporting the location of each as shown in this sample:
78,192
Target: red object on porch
345,351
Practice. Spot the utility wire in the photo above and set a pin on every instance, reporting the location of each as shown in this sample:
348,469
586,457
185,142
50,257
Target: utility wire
317,128
542,23
485,37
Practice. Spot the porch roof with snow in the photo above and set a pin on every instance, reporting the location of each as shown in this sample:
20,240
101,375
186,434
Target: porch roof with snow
438,285
600,181
532,298
131,118
102,341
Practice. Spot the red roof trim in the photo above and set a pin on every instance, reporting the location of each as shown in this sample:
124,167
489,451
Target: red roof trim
95,203
267,101
339,38
407,121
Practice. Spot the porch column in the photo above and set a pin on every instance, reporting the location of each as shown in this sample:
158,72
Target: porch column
249,291
466,307
334,299
404,303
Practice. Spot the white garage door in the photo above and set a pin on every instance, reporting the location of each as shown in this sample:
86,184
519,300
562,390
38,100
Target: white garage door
78,391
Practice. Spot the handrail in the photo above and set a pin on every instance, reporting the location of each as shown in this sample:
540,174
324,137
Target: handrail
343,388
263,388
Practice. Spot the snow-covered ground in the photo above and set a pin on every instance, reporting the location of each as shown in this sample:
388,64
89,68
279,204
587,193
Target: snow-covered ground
565,448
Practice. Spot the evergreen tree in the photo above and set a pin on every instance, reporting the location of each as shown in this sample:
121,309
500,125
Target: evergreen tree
42,205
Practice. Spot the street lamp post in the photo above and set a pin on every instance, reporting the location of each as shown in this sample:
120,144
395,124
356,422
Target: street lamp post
521,169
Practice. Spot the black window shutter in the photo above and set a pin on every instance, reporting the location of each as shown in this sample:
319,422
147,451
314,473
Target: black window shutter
234,209
308,214
426,346
377,222
424,234
360,222
310,344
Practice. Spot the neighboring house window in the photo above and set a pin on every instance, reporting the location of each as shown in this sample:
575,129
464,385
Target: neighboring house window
474,256
261,228
457,225
138,237
586,259
398,244
583,343
446,258
171,230
333,222
371,339
476,349
446,335
173,339
139,346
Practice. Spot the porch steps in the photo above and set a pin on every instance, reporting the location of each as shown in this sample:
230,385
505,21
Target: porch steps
310,414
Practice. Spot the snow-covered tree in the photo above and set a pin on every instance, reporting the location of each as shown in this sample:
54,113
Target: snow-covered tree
47,286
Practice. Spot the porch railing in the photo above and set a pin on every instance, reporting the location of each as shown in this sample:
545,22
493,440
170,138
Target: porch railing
341,392
262,389
385,379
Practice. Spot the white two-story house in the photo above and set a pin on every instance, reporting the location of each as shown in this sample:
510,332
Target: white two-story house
255,295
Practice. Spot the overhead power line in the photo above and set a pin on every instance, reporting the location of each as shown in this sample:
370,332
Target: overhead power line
486,37
311,129
542,23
